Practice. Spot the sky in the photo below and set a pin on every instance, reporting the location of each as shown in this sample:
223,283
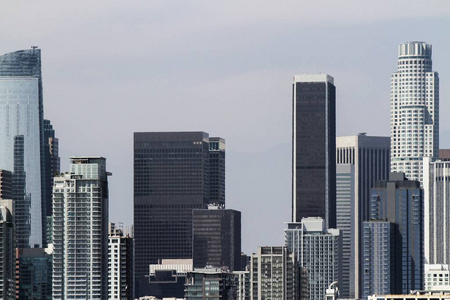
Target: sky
111,68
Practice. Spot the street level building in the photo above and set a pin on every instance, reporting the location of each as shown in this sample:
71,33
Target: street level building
314,148
80,230
414,110
437,277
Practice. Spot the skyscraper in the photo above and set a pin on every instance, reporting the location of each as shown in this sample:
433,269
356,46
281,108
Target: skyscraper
318,251
314,148
436,187
400,202
414,110
80,230
379,258
171,178
51,168
21,115
361,161
216,238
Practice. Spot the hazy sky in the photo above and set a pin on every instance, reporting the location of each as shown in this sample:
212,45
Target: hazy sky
114,67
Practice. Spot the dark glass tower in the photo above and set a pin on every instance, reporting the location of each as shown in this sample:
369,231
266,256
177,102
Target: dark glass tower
52,167
171,178
216,238
314,148
217,170
400,202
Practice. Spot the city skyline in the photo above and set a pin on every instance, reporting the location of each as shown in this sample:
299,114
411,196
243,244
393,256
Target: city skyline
252,108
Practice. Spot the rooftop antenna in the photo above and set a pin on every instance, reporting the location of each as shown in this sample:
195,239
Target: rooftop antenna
34,47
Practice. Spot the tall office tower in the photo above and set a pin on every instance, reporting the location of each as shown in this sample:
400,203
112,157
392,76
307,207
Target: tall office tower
436,186
216,237
7,266
414,110
171,178
80,230
361,160
399,201
21,115
52,162
314,148
120,264
378,258
273,274
5,184
319,252
217,170
33,274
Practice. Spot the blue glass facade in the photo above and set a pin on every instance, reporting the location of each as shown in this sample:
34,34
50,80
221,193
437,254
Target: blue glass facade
400,201
21,114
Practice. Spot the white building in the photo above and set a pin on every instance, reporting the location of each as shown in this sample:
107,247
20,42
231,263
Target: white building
414,110
273,274
80,230
437,277
120,264
319,252
436,186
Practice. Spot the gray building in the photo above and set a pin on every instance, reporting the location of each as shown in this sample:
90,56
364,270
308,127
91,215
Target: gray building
361,160
7,254
313,148
319,255
378,258
22,140
172,172
274,274
216,235
80,230
400,202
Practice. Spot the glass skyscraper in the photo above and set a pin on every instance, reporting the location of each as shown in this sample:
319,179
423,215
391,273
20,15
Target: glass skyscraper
21,131
172,176
400,202
314,148
414,110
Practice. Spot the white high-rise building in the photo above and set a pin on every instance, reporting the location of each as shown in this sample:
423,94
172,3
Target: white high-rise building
436,187
319,252
80,230
414,110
